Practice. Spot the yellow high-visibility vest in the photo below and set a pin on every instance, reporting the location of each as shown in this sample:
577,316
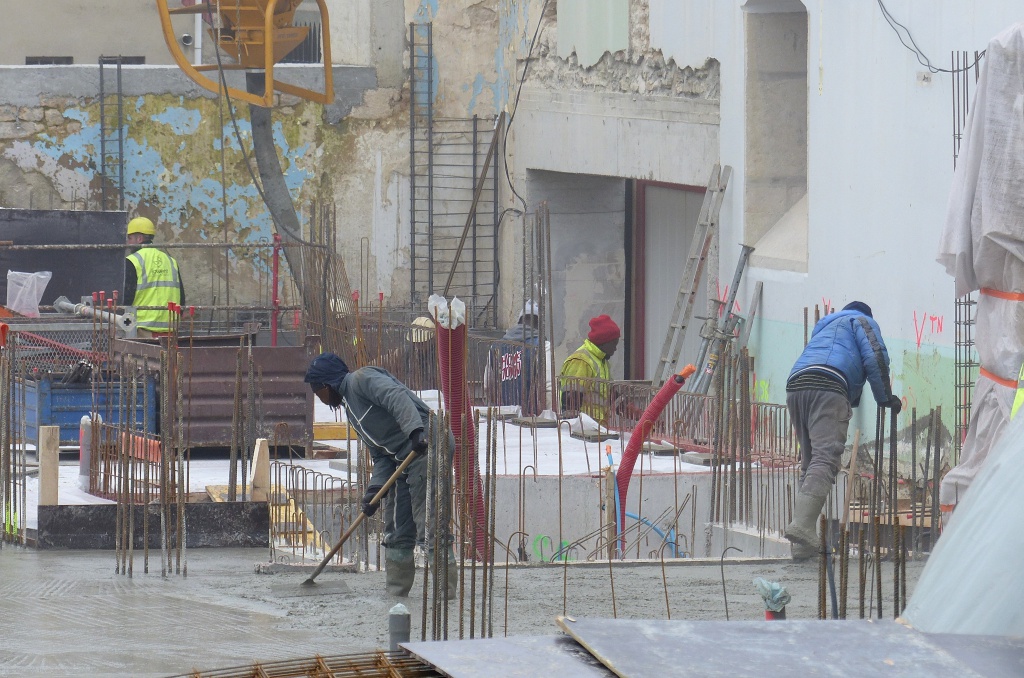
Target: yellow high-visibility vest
588,361
159,283
1018,399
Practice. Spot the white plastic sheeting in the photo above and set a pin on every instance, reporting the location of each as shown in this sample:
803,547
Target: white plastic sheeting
972,582
447,315
982,244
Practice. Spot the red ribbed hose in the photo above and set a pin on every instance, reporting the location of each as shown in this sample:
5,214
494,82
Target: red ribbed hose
636,440
451,349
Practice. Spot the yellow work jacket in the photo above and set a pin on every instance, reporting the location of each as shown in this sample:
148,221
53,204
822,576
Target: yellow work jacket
158,283
588,362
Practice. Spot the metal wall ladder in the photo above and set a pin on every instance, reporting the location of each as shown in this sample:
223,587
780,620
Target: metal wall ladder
453,176
703,236
111,134
421,168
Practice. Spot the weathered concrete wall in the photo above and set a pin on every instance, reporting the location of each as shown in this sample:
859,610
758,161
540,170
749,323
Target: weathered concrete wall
588,259
776,118
174,132
87,30
354,152
567,513
628,114
370,33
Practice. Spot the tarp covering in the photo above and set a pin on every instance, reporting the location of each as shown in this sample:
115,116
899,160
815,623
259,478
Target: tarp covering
972,582
982,244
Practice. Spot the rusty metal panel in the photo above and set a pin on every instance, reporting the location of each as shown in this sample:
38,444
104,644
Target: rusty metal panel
210,388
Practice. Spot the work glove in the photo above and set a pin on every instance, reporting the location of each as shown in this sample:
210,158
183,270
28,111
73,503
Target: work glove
419,441
368,508
894,403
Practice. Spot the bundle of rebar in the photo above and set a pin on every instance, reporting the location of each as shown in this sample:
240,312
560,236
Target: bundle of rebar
451,352
369,665
13,460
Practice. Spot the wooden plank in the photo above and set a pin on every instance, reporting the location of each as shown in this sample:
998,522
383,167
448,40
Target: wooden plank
330,430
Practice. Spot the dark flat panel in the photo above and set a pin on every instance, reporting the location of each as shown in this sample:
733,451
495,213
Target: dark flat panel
93,526
514,657
75,273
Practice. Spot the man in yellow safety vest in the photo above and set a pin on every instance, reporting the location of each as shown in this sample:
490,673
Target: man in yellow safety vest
151,279
585,373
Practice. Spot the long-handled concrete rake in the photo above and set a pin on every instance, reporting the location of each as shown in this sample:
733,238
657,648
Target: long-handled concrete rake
359,519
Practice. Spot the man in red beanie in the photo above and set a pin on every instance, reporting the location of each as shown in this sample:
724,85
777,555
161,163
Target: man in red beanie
585,373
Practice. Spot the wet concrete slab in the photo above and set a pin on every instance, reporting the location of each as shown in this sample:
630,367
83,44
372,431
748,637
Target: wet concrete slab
68,613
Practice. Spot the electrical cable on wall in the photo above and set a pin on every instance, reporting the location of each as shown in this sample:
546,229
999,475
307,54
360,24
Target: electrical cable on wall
515,103
912,46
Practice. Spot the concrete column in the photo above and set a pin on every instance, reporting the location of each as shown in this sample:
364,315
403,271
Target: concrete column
259,472
49,464
399,626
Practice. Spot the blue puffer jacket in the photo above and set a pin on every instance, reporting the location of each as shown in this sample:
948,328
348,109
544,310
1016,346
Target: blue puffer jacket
850,342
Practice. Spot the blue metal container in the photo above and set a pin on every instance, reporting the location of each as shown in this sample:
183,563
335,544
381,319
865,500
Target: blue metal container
51,403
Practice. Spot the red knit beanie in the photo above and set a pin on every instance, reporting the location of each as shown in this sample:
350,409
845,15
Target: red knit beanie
602,330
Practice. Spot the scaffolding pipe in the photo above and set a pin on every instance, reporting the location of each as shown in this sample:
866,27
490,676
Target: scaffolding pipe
125,322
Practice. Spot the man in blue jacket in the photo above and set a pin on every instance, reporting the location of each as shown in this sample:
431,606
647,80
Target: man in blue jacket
845,350
392,422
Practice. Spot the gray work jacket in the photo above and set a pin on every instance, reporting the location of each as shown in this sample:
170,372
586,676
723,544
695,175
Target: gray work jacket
382,410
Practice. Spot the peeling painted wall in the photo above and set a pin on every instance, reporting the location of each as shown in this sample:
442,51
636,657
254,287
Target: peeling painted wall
173,145
354,152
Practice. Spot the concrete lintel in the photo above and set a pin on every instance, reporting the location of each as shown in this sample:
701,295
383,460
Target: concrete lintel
618,135
621,104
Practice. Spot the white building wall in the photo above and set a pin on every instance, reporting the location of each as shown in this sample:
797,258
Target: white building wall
879,170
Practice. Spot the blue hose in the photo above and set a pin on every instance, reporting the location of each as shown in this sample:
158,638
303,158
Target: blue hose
669,538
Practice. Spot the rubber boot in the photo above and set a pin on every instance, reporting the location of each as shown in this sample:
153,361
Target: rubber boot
400,568
802,533
453,579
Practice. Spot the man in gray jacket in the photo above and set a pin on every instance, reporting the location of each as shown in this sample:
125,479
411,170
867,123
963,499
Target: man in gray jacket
392,422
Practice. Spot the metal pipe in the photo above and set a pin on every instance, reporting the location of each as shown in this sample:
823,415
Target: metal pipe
274,299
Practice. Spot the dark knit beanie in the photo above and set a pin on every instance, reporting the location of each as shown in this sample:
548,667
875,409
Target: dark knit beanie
859,306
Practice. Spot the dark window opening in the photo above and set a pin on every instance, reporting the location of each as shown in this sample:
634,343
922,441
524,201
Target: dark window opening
49,61
308,51
124,60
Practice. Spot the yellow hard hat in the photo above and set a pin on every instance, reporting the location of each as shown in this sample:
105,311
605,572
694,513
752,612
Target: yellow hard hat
422,330
141,225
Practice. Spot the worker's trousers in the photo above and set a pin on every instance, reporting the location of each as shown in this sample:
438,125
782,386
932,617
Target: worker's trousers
821,420
405,506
